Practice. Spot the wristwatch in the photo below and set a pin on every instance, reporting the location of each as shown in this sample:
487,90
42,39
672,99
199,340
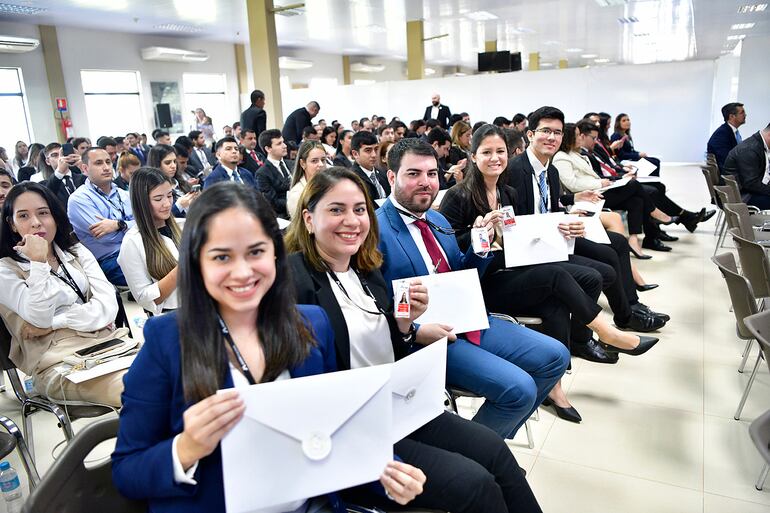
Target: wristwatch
409,336
122,225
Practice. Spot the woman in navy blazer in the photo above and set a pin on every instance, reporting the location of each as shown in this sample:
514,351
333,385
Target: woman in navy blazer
622,132
237,323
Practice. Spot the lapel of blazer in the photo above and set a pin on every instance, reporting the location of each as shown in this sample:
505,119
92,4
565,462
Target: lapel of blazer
328,301
404,238
526,183
554,187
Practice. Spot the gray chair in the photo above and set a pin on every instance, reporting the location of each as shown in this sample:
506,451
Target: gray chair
13,439
755,265
714,199
759,326
744,305
70,487
739,215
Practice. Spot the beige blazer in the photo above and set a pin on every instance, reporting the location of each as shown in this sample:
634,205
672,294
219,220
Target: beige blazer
575,172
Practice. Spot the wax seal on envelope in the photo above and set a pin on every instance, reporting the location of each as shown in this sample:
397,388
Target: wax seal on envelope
317,446
410,394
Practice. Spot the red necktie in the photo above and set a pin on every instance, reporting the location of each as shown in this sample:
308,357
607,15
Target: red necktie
440,265
254,156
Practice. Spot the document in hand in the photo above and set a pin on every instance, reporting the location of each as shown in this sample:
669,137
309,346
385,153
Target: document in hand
615,185
418,383
455,299
588,206
643,166
535,239
595,230
305,437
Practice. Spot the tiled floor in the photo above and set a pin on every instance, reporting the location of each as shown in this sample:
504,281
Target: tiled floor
658,433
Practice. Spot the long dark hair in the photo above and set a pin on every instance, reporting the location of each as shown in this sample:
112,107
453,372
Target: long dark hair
159,260
285,339
64,237
569,138
617,128
304,150
604,126
155,157
473,181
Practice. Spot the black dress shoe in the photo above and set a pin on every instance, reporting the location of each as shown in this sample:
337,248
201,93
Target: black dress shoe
642,322
646,287
645,344
639,255
569,414
690,220
654,244
705,216
593,352
666,237
646,309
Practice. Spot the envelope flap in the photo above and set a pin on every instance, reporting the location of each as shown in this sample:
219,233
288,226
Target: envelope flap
410,372
329,399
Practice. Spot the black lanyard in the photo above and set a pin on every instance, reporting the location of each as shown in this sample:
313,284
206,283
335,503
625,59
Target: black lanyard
440,229
366,288
67,278
107,200
236,352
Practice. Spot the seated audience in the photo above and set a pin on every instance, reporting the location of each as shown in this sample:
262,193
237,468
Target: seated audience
55,299
750,163
111,147
36,169
274,178
342,276
626,151
439,139
227,169
310,133
163,157
344,157
311,159
329,140
253,159
201,159
519,122
726,136
136,147
20,157
364,148
461,143
150,249
128,164
100,213
63,181
222,341
6,182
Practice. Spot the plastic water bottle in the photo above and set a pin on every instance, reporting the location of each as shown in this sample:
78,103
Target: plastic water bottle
11,488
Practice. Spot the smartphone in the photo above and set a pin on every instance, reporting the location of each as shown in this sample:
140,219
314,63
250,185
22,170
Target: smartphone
99,348
196,188
67,149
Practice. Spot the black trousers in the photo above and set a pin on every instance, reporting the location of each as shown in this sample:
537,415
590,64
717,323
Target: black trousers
469,469
635,201
657,191
554,292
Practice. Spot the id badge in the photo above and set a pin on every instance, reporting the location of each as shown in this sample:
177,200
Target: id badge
401,300
480,240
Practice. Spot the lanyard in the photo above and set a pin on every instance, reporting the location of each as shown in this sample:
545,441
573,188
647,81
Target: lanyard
366,288
67,278
109,202
440,229
236,352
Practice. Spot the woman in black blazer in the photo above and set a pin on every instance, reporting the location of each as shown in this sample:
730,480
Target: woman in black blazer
469,468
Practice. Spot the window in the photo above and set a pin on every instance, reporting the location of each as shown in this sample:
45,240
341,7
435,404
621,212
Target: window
206,91
113,102
15,125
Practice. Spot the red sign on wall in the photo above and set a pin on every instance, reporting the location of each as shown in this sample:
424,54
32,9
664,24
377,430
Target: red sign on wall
61,104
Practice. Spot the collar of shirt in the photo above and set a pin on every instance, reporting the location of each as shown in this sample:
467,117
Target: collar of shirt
60,176
113,189
735,128
276,163
537,166
228,170
767,150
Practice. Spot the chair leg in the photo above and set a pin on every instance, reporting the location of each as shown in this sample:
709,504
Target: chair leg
721,239
21,446
27,429
745,396
530,438
719,218
762,477
745,355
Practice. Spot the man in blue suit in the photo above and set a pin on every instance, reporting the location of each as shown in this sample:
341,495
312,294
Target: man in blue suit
513,367
227,170
727,136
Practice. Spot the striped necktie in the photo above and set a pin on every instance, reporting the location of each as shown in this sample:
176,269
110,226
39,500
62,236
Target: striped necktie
543,207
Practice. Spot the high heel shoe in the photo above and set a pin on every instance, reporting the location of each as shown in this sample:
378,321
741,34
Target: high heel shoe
646,287
645,344
639,255
569,414
672,220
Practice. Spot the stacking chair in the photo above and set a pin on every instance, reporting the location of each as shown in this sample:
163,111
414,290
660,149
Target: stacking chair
758,218
71,487
32,403
714,199
759,326
755,265
13,439
742,221
744,304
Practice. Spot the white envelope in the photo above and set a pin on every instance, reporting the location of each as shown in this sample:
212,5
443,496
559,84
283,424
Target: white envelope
587,206
454,298
282,223
595,230
615,184
418,383
305,437
536,239
643,166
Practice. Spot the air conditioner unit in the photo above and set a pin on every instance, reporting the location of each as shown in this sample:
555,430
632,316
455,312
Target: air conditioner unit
159,53
362,67
11,44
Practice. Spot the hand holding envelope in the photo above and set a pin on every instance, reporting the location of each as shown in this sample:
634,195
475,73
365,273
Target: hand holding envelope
536,239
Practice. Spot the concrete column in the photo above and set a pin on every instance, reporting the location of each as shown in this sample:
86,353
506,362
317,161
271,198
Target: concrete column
346,70
263,47
534,61
53,69
490,46
243,75
415,50
563,64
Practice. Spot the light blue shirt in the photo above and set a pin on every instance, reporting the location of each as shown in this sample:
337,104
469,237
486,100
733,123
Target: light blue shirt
88,202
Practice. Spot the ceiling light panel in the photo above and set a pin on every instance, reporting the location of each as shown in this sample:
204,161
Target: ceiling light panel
742,26
24,10
481,16
752,8
178,27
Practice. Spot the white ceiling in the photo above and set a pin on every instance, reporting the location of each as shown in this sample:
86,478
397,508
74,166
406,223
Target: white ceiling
559,29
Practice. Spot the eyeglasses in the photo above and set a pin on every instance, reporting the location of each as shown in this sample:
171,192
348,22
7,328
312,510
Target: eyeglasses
548,132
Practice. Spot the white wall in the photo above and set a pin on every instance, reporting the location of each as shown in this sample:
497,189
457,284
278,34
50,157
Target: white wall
726,80
35,82
754,84
669,104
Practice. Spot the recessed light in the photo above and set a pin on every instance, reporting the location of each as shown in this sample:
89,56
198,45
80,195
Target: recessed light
611,3
601,61
20,9
178,27
552,43
625,20
742,26
546,64
481,16
430,71
752,8
574,50
589,56
736,37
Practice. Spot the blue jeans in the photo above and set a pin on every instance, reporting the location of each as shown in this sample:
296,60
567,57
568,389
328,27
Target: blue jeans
514,368
112,270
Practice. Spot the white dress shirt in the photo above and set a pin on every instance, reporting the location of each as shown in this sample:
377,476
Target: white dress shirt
434,112
133,261
539,168
414,231
766,178
280,165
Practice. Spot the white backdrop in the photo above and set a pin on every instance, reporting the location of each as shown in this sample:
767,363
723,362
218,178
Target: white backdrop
669,104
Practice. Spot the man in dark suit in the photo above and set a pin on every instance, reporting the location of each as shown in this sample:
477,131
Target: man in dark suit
298,120
227,170
255,118
365,148
274,177
437,111
63,181
249,143
726,136
201,159
750,162
135,147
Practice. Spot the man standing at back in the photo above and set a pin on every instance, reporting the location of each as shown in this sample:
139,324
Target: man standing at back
298,120
255,118
437,111
727,136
